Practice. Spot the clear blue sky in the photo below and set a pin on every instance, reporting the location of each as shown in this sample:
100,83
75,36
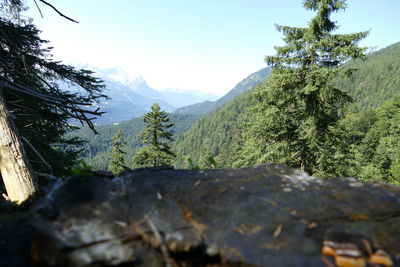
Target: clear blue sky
209,45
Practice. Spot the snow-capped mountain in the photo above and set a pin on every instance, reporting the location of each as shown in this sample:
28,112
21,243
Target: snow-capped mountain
131,97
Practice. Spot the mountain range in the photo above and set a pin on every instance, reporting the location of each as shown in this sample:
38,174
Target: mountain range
218,133
96,148
244,85
131,98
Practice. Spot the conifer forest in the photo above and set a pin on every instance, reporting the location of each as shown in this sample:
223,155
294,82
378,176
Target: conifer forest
323,104
199,133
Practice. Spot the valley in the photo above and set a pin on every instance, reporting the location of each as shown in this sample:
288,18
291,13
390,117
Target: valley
216,128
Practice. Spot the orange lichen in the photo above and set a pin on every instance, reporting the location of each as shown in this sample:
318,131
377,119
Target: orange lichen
189,216
329,248
346,261
312,225
328,251
381,257
238,230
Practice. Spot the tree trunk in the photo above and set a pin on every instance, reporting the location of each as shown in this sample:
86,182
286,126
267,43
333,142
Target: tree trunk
15,168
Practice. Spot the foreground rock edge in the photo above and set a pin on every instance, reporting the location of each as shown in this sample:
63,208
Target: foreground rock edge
264,216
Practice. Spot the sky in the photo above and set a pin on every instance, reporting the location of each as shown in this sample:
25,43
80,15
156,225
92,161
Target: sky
207,45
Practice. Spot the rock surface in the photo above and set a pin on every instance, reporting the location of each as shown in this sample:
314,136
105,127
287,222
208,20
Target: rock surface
263,216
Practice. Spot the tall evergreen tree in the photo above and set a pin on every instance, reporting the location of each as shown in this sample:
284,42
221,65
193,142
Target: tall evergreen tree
38,99
298,104
157,137
117,160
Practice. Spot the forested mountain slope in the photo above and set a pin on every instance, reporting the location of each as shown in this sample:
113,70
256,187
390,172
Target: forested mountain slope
213,135
377,79
244,85
218,133
98,146
95,151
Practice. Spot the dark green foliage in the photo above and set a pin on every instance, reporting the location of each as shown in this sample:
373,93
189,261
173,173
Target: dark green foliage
97,147
95,151
193,165
376,80
206,162
117,161
298,105
43,96
82,169
157,138
367,144
212,162
378,155
216,135
226,142
348,136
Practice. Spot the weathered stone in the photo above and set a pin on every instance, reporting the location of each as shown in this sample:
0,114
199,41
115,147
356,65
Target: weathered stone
263,216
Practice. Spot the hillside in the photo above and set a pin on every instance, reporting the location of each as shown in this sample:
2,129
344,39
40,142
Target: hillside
376,81
98,146
244,85
213,135
218,132
95,151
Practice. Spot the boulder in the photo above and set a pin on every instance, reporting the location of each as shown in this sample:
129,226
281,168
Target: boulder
268,215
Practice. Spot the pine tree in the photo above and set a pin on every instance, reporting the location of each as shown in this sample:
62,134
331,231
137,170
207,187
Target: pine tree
297,106
117,160
157,137
38,99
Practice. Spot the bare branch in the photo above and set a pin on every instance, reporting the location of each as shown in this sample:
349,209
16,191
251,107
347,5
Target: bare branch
71,110
59,13
17,87
37,153
40,11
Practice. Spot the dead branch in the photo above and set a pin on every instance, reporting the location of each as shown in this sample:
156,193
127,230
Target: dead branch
38,154
58,12
6,197
59,102
40,11
68,108
26,90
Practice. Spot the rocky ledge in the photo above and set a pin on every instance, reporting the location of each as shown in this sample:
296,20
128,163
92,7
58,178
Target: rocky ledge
263,216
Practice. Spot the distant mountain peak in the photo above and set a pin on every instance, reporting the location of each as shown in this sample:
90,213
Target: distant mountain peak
138,82
120,75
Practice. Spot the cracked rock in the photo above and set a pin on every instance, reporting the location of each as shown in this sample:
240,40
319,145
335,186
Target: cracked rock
233,217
